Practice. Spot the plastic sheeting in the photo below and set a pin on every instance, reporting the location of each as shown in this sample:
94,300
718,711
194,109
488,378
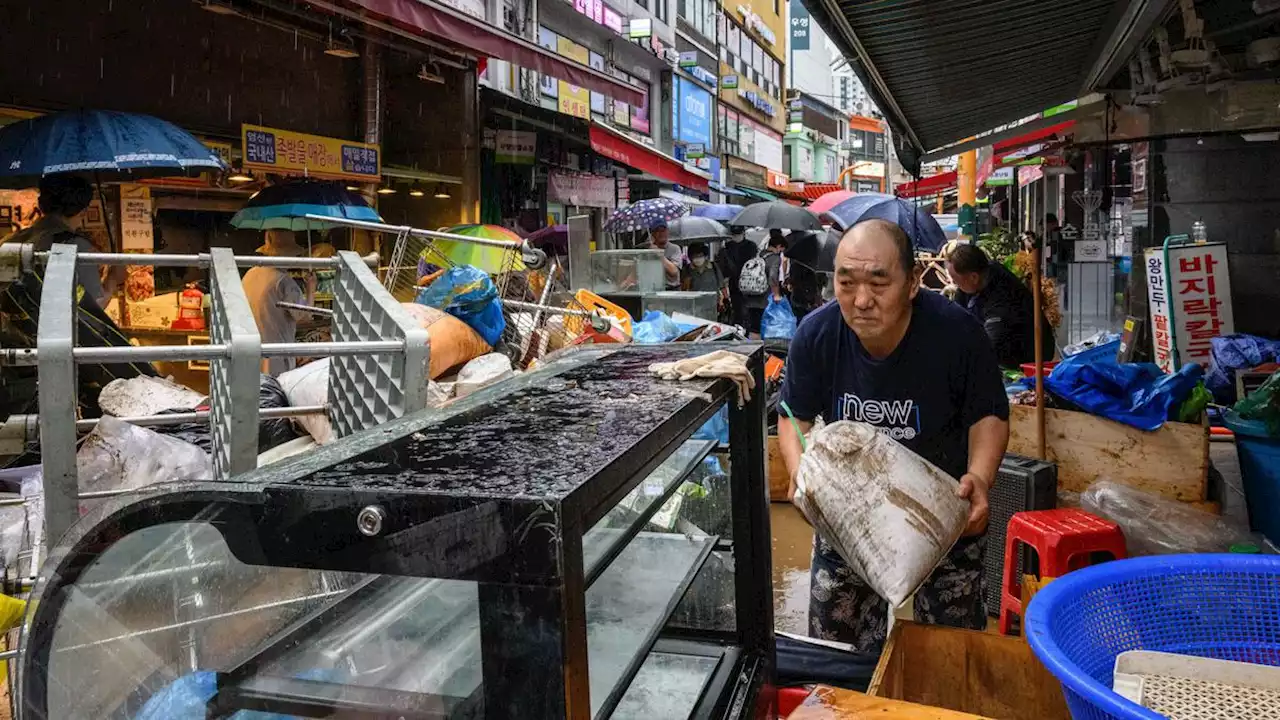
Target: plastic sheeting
1230,353
467,293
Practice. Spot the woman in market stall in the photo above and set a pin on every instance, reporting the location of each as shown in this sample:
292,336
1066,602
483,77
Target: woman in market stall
63,199
267,286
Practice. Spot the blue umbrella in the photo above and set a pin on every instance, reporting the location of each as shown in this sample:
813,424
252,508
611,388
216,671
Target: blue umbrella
921,227
645,215
720,213
286,206
99,145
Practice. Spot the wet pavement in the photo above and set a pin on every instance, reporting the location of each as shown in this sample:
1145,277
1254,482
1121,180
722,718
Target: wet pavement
792,547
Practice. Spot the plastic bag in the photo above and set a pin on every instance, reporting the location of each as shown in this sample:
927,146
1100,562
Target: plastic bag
1155,526
484,370
144,395
120,456
1194,406
1263,405
891,514
778,321
467,293
1136,394
656,327
717,428
187,698
278,431
1230,353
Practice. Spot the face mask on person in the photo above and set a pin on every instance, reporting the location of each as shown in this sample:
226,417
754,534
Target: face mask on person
698,261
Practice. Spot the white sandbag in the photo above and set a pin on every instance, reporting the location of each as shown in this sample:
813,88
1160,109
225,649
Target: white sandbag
145,395
891,514
309,385
296,446
484,370
120,456
440,392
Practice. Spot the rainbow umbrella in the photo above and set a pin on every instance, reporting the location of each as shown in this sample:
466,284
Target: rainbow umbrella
492,260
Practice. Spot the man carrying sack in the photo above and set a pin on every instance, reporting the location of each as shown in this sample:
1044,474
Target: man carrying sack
921,370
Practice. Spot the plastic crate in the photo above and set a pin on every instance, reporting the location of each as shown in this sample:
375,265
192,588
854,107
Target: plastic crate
1218,606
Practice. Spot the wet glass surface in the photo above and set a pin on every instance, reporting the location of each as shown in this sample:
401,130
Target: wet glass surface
667,686
541,440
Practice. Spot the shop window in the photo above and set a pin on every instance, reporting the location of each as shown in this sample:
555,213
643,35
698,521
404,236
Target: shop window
660,10
682,9
643,3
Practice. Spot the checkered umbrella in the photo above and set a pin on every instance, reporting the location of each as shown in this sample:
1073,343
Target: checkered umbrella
645,215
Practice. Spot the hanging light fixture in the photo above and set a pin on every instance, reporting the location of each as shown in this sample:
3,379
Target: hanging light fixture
416,190
442,191
238,175
353,188
388,189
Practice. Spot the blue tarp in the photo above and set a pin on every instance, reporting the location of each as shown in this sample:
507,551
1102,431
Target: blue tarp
1136,394
1236,352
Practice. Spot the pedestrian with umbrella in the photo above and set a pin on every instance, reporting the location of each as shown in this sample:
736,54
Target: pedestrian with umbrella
761,281
920,226
777,215
653,216
61,153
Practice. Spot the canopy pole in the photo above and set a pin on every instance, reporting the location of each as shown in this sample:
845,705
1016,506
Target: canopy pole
1036,303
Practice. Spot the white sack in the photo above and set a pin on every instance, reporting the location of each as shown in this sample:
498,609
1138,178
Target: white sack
145,395
891,514
484,370
309,385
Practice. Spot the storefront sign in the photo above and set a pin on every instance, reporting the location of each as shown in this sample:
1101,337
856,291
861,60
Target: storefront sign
695,151
757,101
474,8
1139,175
799,26
291,153
137,232
1003,176
689,59
581,190
778,181
1158,300
703,75
640,28
515,147
573,100
612,20
756,24
640,116
221,149
729,82
1195,288
691,112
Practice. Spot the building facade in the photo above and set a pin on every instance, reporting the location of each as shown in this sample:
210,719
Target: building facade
751,117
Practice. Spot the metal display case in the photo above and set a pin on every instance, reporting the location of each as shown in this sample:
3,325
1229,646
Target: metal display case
553,546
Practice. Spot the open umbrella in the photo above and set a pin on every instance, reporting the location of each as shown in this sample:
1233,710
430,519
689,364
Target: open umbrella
492,260
687,230
286,207
722,213
924,231
826,201
645,215
777,215
99,145
814,249
553,240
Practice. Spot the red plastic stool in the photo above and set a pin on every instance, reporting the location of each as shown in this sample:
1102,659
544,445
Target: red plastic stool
1063,540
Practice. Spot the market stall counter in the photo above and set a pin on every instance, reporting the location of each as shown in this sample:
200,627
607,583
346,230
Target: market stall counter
555,546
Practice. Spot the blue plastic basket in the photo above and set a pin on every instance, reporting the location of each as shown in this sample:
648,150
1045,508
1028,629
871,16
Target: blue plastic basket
1218,606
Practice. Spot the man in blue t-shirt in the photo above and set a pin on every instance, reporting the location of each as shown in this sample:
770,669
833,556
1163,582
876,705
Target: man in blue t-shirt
922,370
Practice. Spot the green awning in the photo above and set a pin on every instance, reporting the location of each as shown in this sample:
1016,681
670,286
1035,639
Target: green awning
757,194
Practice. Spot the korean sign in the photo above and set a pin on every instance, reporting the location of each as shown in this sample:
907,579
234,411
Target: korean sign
1190,302
799,26
515,147
291,153
691,113
137,233
574,100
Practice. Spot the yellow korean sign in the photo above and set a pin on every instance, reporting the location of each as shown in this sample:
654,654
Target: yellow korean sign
292,153
574,100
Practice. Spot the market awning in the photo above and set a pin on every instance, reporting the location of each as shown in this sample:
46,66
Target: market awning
924,187
813,191
477,38
945,71
620,148
757,194
725,189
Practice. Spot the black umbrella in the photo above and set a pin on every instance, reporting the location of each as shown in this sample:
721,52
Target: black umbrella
817,250
689,229
777,215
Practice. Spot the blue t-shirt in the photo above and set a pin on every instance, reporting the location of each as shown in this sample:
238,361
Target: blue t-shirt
942,378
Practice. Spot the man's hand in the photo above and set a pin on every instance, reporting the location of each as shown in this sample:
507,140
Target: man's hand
974,489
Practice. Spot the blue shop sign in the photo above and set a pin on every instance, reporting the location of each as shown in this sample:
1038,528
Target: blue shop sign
692,113
758,102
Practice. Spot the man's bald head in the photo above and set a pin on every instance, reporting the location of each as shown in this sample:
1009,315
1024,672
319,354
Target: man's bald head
883,229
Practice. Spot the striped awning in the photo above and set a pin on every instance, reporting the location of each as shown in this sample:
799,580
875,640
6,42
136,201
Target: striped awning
813,191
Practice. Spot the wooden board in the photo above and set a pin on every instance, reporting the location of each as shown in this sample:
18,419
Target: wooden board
1172,462
779,478
828,703
982,673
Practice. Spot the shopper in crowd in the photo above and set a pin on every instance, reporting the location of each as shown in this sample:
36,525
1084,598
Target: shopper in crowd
804,283
672,258
1001,302
918,368
733,256
266,286
771,266
702,275
1056,260
62,201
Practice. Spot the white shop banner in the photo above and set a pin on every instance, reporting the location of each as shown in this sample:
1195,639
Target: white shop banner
581,190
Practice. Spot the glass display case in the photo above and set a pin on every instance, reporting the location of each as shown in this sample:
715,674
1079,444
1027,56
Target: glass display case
702,305
627,271
555,546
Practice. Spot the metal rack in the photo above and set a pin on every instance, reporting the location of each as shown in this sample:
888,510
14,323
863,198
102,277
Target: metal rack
379,373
